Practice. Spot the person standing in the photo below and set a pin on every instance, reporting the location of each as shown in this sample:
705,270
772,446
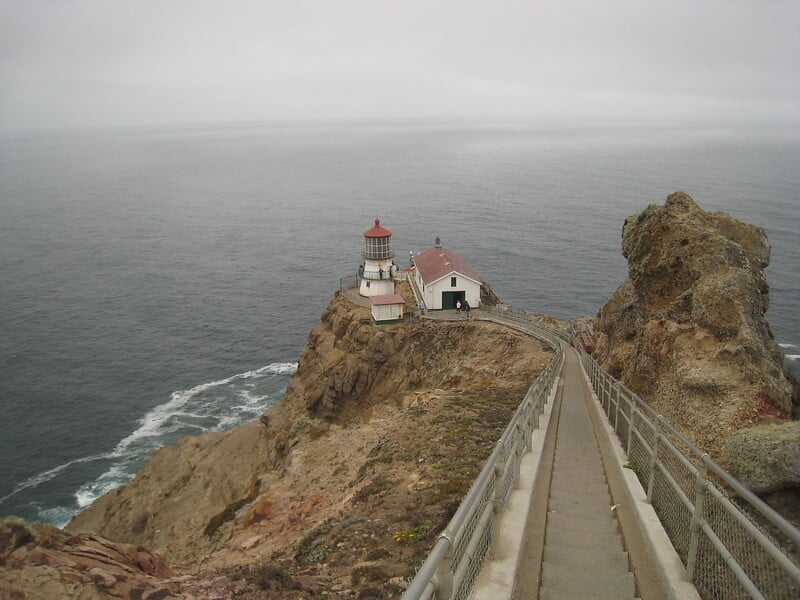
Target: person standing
458,307
466,309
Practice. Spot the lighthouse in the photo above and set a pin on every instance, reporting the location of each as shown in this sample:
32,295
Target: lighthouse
378,269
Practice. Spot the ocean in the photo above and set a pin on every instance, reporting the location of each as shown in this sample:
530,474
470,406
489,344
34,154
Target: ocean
162,282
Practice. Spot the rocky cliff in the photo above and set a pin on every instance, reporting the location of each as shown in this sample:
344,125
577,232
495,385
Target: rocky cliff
687,330
339,489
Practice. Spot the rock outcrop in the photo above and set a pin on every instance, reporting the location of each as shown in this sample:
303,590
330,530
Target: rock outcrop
348,479
767,458
40,561
687,329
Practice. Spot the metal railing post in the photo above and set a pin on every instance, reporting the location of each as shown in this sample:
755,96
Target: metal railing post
518,450
499,473
631,426
654,458
601,383
697,516
529,427
595,378
443,580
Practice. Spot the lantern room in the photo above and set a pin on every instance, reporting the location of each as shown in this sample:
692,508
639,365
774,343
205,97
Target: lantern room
378,269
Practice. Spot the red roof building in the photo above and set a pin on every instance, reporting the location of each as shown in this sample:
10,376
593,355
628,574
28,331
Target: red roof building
435,263
445,280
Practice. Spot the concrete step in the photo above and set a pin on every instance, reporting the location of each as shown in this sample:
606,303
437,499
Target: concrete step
579,476
590,471
595,504
576,580
586,511
582,469
599,540
576,457
571,555
579,454
577,487
594,474
583,449
567,522
579,490
579,484
548,594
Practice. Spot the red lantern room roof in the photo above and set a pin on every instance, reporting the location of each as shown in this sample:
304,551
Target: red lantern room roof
377,231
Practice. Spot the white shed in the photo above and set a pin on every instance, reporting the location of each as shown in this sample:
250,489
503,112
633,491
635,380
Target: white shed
387,308
444,277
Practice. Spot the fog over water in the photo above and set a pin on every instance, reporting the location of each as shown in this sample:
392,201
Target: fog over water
85,63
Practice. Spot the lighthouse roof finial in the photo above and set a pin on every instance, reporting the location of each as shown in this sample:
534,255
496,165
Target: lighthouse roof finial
438,242
377,231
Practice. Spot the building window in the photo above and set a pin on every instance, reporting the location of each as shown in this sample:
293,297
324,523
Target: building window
452,282
368,284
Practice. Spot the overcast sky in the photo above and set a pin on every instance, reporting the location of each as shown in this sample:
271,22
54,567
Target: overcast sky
76,63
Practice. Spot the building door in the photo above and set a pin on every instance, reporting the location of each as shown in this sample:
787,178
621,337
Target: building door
449,299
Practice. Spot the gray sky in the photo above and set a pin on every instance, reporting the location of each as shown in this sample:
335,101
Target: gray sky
76,63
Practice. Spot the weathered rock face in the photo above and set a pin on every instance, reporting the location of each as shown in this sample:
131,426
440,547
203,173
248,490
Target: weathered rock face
687,329
184,490
767,458
39,561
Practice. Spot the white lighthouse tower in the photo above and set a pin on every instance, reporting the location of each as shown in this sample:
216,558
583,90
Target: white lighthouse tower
377,272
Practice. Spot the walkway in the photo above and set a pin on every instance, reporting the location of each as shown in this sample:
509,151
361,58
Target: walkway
563,518
581,555
571,544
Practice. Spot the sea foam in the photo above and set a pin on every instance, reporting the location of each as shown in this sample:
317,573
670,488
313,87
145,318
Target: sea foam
212,406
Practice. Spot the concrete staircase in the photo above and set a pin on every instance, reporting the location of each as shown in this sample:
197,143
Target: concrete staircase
583,556
412,281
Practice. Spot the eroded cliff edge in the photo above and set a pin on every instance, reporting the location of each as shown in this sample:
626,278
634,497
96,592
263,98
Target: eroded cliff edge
356,470
687,331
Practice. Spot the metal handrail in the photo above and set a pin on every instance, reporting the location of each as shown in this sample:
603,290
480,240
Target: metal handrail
726,553
453,563
554,337
414,289
722,538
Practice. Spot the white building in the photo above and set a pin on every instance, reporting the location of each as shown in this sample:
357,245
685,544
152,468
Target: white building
444,277
377,271
387,308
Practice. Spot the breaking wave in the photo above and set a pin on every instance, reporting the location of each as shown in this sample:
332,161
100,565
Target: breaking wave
212,406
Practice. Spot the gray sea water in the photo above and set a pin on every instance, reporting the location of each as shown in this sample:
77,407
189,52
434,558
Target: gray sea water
155,283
